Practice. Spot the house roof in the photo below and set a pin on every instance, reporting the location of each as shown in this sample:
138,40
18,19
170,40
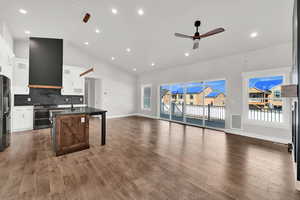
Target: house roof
195,90
190,90
267,85
213,94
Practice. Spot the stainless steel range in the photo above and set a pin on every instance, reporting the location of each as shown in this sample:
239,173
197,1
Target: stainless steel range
41,116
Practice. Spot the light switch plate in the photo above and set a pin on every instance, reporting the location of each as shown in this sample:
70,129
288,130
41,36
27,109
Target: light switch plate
82,119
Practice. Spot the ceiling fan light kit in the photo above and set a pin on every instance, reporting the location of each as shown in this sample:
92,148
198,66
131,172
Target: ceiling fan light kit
196,38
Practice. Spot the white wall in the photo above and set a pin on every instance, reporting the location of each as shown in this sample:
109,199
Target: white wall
230,68
118,87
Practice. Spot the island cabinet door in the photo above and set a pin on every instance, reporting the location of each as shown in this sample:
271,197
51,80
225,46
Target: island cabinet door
72,133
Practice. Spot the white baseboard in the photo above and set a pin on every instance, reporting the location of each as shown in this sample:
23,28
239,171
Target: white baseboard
147,116
21,130
257,136
297,185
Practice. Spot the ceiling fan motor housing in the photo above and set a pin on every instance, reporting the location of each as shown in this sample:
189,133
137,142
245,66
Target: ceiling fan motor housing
197,23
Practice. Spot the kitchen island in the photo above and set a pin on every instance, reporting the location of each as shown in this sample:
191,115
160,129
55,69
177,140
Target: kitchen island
70,128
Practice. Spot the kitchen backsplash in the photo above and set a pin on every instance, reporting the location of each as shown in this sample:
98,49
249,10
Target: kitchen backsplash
39,96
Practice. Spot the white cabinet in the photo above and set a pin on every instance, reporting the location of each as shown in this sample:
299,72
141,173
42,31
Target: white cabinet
21,76
22,118
73,84
6,59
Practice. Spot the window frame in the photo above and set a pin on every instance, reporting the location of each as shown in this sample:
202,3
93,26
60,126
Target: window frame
285,72
142,97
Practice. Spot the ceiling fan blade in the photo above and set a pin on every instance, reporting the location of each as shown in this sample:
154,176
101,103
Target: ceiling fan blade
196,45
213,32
183,36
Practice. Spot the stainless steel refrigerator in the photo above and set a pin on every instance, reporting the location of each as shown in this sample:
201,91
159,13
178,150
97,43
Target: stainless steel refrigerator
5,112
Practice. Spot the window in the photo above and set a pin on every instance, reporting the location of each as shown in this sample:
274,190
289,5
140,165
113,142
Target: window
146,97
264,99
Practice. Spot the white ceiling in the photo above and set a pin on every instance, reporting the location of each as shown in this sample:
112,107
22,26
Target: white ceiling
151,37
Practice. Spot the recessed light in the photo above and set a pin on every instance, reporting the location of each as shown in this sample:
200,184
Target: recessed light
97,30
128,49
187,54
22,11
134,69
140,12
113,58
86,43
27,32
114,11
254,35
152,64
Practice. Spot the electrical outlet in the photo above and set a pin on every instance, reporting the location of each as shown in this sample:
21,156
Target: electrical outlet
82,119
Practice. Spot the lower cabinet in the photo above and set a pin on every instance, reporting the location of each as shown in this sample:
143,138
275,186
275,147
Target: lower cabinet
22,118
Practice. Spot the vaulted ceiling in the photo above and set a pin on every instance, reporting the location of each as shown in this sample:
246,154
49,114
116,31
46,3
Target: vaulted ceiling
151,36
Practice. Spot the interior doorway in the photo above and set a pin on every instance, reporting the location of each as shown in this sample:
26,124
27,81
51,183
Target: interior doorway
92,92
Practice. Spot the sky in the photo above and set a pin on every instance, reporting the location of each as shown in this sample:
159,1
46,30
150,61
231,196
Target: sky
265,83
217,86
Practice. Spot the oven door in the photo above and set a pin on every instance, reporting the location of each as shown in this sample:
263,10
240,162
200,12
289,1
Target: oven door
41,119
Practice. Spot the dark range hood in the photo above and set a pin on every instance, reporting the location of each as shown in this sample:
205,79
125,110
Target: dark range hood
45,63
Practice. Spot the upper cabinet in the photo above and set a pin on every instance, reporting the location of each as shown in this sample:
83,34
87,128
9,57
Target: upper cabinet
73,84
21,76
6,58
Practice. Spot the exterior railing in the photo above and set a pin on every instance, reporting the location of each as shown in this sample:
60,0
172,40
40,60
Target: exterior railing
218,112
268,115
196,111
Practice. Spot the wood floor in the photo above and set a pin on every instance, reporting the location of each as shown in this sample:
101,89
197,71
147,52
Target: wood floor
147,159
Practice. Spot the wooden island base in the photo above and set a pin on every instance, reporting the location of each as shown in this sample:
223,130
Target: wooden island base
71,133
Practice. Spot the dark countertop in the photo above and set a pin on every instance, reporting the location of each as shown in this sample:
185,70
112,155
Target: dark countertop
77,110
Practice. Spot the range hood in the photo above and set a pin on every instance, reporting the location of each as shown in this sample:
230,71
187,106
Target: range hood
45,63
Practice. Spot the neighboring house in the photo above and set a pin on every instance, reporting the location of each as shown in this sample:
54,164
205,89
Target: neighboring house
194,96
265,94
166,96
215,99
275,97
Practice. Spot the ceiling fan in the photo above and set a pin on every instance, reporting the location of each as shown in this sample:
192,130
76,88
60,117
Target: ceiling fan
197,37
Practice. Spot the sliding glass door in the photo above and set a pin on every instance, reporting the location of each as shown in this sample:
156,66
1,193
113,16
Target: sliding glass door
194,101
214,104
199,103
177,103
165,100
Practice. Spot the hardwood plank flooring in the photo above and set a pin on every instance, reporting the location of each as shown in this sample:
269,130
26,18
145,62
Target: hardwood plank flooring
147,159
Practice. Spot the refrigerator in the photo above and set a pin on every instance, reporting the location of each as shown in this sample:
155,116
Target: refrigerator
5,112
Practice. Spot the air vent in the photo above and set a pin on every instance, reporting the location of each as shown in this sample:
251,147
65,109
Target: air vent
78,90
66,71
236,122
21,66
